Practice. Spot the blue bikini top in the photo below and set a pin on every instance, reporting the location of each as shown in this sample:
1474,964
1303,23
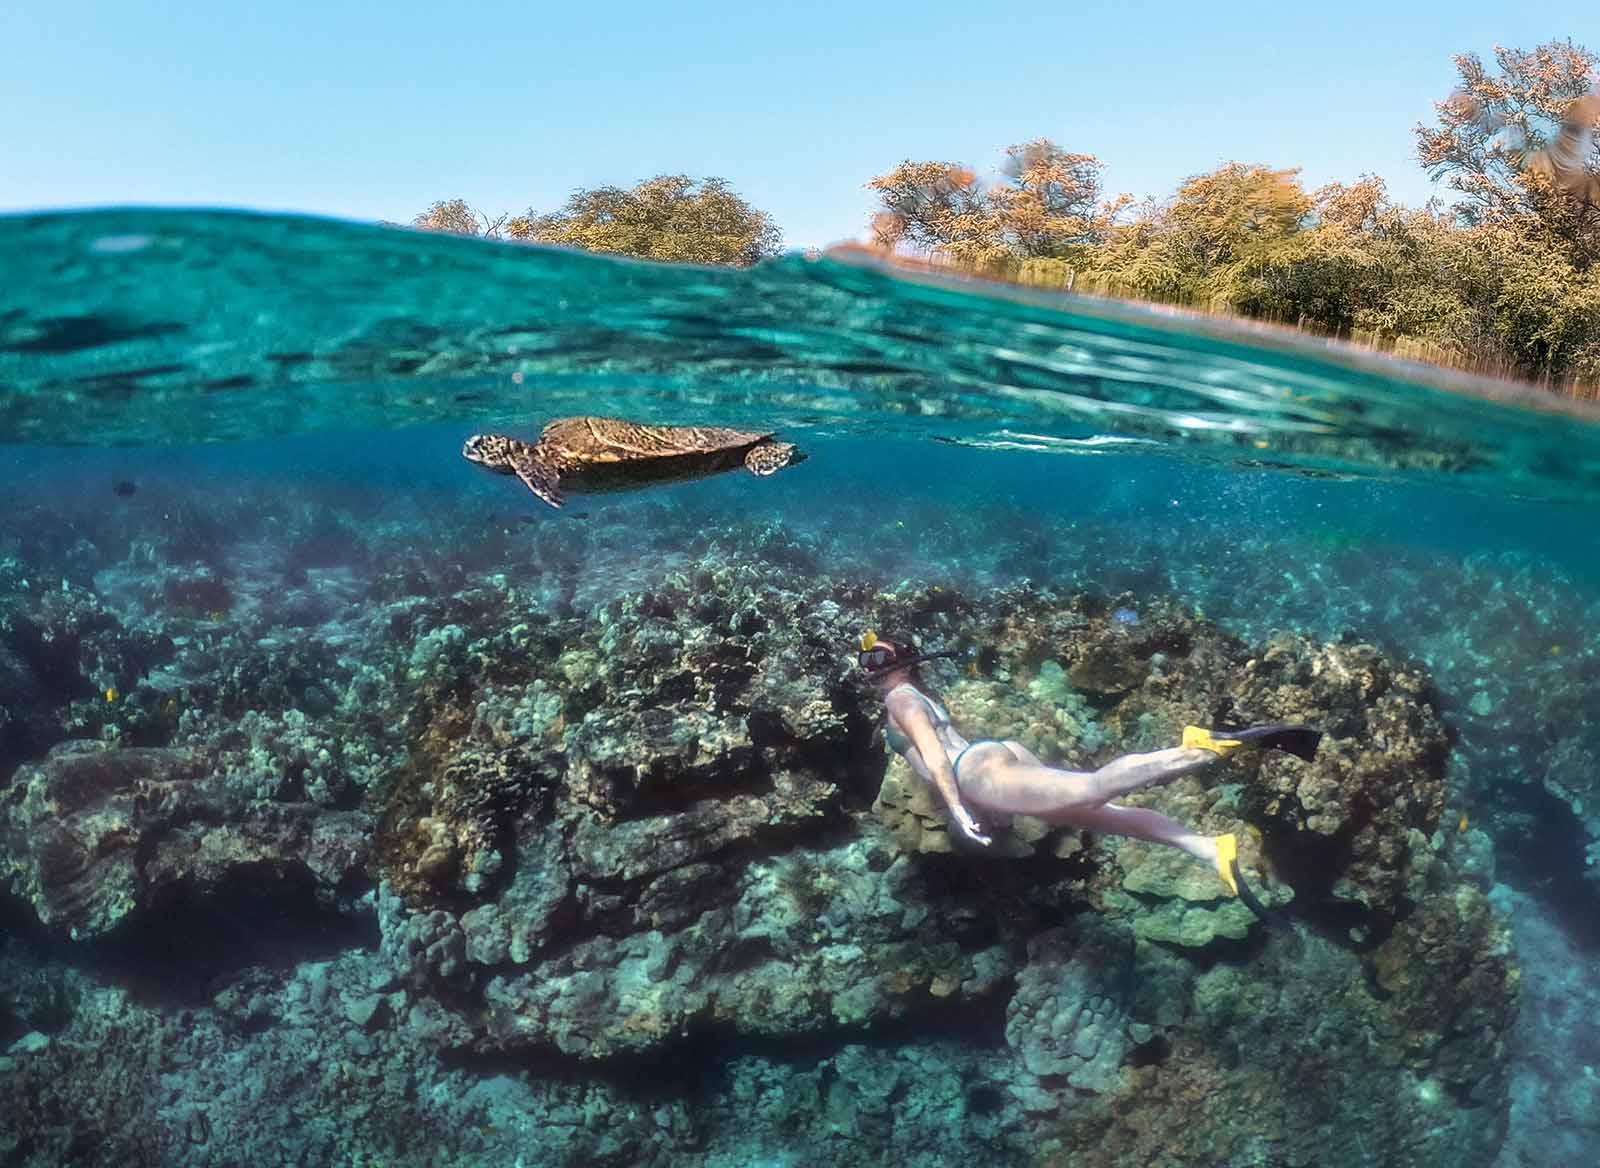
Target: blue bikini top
900,744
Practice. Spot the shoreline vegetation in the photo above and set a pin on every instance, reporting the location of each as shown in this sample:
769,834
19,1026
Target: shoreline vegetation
1504,281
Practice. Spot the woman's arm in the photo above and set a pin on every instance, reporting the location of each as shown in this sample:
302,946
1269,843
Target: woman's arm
909,712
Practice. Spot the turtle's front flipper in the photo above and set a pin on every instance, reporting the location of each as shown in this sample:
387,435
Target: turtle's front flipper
539,476
771,457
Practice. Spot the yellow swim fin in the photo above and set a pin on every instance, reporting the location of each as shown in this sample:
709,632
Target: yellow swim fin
1199,738
1228,860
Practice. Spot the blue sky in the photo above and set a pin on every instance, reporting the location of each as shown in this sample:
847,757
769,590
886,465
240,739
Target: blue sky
371,111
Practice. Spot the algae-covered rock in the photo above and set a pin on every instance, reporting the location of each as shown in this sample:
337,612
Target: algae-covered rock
911,811
1171,898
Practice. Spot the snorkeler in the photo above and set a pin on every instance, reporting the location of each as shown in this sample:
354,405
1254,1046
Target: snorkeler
1006,778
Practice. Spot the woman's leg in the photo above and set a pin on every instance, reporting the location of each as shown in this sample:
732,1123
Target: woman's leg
991,776
1006,777
1139,823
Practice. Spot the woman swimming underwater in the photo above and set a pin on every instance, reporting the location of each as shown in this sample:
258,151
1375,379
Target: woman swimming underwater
1006,778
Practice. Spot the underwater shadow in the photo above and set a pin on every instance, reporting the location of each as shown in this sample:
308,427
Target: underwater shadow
180,952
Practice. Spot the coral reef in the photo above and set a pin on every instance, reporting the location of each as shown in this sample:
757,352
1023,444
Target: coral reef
646,891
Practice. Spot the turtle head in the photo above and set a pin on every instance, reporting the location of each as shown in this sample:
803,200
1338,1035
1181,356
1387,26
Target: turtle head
770,457
491,451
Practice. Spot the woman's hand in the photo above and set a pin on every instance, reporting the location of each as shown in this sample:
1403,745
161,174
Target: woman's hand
968,825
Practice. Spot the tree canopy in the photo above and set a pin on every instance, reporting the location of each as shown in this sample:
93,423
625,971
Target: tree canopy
1049,204
1345,259
669,217
456,217
1520,144
1509,276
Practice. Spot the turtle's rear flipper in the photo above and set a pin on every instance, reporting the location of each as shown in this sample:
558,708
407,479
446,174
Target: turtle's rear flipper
771,457
540,478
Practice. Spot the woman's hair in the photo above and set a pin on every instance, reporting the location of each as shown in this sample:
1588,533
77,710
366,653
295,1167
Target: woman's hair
905,649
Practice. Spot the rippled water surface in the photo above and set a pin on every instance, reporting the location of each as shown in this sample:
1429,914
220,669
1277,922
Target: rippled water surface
158,328
422,820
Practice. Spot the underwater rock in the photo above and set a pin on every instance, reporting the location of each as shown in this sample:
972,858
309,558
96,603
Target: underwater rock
200,593
808,942
94,834
449,824
25,724
1451,981
1378,777
1174,900
73,825
1555,1088
65,659
519,921
1066,1021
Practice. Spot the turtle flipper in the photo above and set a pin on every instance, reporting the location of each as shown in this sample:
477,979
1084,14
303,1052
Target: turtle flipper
771,457
539,477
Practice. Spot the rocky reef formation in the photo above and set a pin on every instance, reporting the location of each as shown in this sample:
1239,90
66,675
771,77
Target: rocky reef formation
632,882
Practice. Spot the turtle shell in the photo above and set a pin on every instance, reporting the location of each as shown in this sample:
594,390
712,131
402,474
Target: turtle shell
587,441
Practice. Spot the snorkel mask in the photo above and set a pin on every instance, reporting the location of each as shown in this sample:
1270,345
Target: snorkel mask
878,657
873,653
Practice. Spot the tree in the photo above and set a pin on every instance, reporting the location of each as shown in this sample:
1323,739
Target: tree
669,217
937,207
1521,143
456,217
1238,212
1230,238
1048,205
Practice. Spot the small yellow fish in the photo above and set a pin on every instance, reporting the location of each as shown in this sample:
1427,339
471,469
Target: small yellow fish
1463,823
1555,650
112,694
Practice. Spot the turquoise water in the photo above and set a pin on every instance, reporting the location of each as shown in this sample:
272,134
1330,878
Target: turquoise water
241,554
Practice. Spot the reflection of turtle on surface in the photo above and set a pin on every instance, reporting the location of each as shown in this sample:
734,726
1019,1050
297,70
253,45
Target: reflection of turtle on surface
589,455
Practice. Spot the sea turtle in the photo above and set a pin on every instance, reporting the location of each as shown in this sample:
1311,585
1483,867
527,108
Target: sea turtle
588,455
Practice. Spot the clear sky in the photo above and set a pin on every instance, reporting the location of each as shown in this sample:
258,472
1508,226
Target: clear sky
374,110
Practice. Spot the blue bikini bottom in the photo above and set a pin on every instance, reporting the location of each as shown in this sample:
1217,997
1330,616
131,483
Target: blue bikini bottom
956,765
